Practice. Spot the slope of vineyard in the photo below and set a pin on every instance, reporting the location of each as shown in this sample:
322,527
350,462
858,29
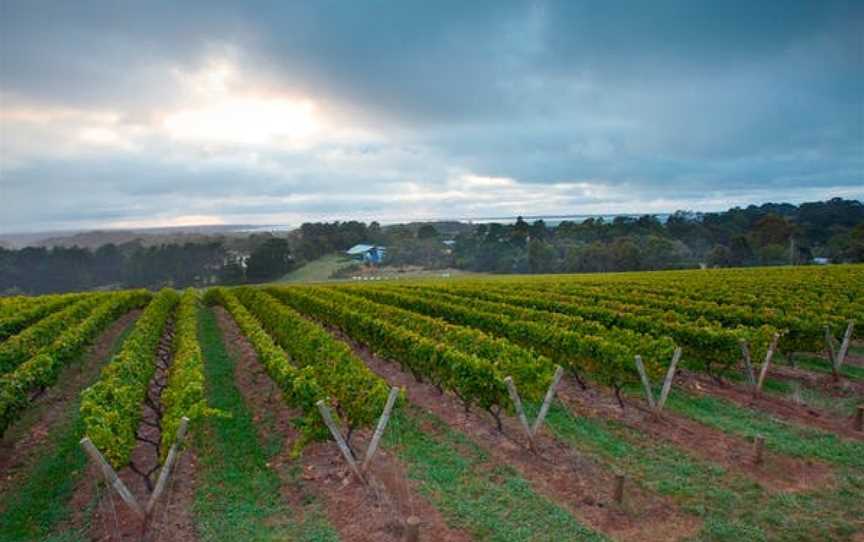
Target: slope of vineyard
457,439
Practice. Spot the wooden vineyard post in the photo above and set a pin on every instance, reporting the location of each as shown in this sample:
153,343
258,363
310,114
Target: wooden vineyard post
767,365
844,346
758,449
859,418
517,402
376,437
618,489
670,376
412,529
748,365
547,401
379,430
169,464
657,406
532,430
112,477
337,435
646,384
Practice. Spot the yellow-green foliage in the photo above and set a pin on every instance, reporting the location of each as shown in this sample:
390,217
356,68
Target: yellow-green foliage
184,393
111,408
41,370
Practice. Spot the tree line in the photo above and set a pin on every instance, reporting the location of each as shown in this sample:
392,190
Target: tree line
770,234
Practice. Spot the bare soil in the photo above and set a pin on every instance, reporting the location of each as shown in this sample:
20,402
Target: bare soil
777,472
172,520
771,404
50,409
359,513
575,482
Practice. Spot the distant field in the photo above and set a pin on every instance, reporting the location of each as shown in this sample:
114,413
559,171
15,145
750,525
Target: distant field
318,270
323,268
250,365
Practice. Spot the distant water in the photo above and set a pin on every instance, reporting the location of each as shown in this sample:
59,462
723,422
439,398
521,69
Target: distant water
266,228
554,220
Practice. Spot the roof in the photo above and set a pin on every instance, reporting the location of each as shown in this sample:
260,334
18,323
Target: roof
359,249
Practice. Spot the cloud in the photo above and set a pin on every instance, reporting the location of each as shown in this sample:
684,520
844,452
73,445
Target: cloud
281,112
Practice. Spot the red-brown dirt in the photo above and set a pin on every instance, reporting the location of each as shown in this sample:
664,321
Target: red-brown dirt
575,482
359,513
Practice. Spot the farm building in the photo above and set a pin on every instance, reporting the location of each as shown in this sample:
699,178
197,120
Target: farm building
367,253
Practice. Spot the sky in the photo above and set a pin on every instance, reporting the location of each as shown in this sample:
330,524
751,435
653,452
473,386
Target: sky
136,114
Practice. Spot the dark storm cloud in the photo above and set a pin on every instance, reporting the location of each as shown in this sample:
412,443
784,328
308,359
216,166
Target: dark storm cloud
669,100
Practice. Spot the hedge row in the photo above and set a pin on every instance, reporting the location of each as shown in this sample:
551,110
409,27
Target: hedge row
41,371
111,408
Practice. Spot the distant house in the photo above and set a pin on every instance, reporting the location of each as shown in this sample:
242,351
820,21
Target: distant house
367,253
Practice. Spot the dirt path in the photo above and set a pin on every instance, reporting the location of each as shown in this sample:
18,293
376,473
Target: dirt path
778,472
21,442
770,404
575,482
358,513
172,521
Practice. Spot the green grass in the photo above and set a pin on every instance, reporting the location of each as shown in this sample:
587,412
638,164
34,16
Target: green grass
821,365
814,398
34,509
733,508
238,496
489,500
837,406
780,436
318,270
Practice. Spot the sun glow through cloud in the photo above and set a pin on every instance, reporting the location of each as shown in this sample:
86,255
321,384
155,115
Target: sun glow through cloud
263,113
223,108
246,121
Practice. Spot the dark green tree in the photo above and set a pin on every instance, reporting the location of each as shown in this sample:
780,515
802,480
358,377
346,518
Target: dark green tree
270,260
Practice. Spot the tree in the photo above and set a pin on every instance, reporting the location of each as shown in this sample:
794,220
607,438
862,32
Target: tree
519,232
720,256
232,273
542,257
624,255
740,251
427,231
662,253
376,235
429,253
270,260
590,258
772,230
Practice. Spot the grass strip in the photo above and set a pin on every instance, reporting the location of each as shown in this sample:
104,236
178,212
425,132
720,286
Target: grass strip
821,365
780,436
815,398
33,510
732,507
490,501
238,495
